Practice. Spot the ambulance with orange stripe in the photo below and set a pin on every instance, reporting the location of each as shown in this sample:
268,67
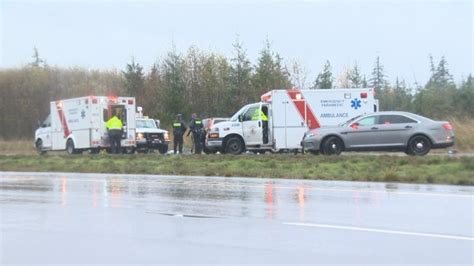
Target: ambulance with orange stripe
289,114
79,124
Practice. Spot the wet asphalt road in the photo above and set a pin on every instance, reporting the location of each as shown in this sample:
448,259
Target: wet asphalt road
92,218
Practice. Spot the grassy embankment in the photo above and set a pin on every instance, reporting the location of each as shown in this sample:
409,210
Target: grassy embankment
20,156
430,169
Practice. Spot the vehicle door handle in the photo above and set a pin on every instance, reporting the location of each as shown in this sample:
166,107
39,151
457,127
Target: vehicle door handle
374,128
408,127
344,133
259,123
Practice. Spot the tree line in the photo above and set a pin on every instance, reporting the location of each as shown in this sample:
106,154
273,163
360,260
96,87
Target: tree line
213,85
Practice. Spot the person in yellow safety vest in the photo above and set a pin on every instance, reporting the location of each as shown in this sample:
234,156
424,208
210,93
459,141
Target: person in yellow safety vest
114,127
257,115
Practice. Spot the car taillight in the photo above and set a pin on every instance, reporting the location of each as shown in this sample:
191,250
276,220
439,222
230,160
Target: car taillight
363,95
447,126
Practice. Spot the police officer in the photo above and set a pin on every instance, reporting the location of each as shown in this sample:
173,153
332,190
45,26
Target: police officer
179,128
196,127
257,115
115,126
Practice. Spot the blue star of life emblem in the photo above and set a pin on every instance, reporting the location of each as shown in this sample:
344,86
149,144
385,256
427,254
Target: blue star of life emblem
356,104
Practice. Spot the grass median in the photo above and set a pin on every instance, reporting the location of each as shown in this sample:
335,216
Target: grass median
383,168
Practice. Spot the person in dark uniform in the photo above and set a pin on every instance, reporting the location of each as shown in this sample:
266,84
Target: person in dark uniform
179,128
196,127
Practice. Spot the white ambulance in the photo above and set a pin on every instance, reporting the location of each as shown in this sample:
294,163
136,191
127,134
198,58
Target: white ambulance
290,113
79,124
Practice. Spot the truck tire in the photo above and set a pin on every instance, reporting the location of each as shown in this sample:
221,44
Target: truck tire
234,146
418,145
70,149
39,147
332,146
163,149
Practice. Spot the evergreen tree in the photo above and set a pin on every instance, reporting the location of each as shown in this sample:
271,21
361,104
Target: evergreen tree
240,78
173,70
134,79
378,79
436,99
465,98
151,102
325,79
269,73
37,61
355,77
440,77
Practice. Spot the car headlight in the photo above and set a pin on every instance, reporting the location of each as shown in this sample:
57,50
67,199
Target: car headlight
140,136
167,136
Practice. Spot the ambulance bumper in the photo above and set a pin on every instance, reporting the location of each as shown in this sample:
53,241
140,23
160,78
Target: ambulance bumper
214,143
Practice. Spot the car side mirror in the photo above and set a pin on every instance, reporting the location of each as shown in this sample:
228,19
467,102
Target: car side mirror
355,125
241,118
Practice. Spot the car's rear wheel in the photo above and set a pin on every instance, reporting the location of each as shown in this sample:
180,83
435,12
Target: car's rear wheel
419,146
332,146
234,146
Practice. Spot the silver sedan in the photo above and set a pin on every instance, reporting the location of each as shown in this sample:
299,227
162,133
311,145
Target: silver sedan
403,131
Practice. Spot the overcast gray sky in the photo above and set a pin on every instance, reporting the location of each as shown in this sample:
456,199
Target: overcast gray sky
106,34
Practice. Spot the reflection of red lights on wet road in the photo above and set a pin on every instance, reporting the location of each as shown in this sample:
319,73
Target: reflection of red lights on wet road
115,185
269,199
64,191
301,201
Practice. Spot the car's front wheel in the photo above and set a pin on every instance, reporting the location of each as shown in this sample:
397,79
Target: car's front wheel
419,146
332,146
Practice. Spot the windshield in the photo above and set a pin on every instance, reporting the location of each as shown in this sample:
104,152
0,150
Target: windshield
349,121
235,117
146,124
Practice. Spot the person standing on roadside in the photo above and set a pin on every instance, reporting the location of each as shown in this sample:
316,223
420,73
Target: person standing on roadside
179,128
115,127
196,127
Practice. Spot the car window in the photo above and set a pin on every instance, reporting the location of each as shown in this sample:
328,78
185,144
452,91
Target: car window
368,121
395,119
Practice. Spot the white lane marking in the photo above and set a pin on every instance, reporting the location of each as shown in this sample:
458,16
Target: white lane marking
198,182
384,231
